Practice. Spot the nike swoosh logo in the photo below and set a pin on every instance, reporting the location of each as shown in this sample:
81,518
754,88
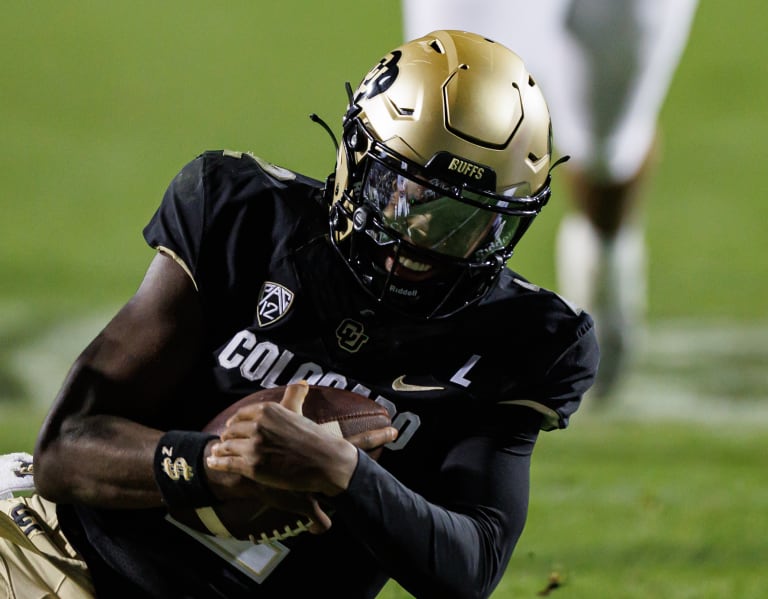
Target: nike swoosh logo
400,385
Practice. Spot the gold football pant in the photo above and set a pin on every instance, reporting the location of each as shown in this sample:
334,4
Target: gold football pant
36,560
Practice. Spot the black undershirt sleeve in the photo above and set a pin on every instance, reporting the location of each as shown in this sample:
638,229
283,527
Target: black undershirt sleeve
459,548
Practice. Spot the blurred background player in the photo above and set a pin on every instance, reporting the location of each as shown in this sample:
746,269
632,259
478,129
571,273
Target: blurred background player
606,67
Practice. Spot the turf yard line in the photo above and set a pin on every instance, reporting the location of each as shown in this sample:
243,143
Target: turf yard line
695,371
40,363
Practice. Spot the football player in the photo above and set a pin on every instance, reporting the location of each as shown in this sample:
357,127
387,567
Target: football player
389,279
605,67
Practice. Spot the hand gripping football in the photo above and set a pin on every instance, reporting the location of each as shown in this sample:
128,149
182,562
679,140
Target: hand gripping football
274,515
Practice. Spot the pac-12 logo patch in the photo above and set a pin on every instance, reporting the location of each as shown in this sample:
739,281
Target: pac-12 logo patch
274,302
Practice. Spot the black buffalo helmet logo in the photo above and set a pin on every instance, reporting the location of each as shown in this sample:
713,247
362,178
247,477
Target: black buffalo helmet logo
381,77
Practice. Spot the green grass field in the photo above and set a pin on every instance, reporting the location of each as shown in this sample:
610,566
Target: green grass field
661,495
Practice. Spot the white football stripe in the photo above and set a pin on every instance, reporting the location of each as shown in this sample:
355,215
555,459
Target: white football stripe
333,427
211,521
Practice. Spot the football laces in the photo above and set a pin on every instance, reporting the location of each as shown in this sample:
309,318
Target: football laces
301,526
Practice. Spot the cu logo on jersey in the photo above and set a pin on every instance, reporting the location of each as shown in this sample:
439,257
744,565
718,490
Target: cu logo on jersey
274,303
350,335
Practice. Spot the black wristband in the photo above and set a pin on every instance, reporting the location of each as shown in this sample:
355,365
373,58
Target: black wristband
179,469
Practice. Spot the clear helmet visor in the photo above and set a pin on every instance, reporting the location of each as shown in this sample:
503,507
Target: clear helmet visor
462,225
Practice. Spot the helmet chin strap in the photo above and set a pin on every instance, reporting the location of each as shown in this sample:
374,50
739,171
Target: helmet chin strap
446,294
390,274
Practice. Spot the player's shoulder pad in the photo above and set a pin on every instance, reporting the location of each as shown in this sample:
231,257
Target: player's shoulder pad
536,289
278,172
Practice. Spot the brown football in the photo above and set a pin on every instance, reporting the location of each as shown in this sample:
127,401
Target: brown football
341,412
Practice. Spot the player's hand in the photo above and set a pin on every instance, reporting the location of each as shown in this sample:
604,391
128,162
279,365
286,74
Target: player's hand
274,445
369,441
373,440
229,485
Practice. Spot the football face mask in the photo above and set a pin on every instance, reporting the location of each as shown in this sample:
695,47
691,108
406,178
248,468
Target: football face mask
419,212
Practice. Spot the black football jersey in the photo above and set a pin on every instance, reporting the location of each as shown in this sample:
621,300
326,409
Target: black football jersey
469,394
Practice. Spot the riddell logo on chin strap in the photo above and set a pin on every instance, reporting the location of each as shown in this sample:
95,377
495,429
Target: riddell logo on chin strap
468,169
402,291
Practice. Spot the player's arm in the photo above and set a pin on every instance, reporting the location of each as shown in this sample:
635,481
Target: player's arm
92,448
458,545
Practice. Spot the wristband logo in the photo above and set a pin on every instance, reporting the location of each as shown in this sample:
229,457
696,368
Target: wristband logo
178,468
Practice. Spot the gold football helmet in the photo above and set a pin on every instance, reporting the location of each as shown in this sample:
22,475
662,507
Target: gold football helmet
444,163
